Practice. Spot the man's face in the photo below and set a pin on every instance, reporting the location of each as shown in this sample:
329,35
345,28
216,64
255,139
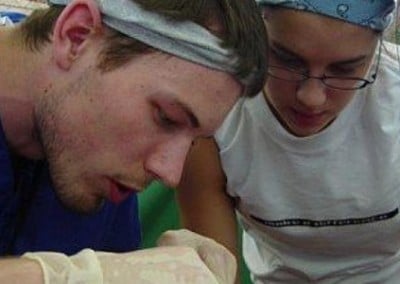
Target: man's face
108,134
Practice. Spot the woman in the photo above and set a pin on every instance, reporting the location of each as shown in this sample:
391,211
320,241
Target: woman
311,165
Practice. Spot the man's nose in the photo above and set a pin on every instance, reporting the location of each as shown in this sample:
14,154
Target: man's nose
311,93
167,160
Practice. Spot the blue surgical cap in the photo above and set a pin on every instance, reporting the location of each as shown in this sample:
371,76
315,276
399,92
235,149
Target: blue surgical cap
373,14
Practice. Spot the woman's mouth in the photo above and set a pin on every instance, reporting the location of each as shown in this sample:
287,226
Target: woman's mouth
307,119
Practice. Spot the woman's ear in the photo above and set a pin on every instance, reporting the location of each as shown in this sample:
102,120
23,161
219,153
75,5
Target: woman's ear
78,22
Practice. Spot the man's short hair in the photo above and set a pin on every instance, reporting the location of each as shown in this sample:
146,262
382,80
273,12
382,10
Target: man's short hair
236,22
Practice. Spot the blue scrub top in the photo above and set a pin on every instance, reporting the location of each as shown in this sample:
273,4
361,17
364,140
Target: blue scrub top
33,219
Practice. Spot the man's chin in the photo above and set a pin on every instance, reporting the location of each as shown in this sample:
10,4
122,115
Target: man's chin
84,207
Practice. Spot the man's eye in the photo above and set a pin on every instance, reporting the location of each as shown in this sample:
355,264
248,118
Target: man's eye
165,121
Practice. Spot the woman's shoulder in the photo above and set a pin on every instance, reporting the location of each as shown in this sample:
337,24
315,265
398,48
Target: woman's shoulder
391,53
247,116
383,95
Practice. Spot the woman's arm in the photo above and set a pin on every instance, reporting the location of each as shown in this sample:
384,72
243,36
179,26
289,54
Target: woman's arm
204,204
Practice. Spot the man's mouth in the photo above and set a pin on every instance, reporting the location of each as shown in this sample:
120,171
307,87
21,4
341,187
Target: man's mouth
118,192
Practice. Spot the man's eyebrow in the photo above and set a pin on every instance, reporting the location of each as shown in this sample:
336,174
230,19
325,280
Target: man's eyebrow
350,61
192,117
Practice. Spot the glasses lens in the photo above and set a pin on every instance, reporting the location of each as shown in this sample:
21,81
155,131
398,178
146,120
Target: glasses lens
338,83
345,83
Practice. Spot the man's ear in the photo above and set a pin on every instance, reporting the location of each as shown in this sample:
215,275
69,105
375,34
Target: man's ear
266,13
79,20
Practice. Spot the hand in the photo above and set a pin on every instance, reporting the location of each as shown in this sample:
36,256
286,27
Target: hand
161,265
217,258
187,258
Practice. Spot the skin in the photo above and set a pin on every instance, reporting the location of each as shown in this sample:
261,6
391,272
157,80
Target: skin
308,42
105,134
11,271
107,130
303,109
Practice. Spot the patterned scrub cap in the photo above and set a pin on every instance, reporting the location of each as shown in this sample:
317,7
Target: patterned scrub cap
373,14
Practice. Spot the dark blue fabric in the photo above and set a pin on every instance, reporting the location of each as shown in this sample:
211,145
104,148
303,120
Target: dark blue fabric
32,218
8,202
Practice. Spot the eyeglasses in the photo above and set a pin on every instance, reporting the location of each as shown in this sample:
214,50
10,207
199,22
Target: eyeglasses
333,82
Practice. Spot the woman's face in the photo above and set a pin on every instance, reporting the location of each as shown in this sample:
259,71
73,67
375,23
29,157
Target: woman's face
316,45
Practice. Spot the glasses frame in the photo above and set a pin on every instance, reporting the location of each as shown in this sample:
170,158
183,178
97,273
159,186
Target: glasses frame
322,78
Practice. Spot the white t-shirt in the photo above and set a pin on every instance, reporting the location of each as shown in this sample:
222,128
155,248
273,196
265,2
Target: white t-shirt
323,208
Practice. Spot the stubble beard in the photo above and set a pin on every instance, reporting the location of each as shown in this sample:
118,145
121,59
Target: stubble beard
71,189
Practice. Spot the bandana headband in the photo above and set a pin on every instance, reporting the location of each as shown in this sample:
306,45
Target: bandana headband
185,39
373,14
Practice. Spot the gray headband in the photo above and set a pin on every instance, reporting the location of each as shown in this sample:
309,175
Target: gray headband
373,14
184,39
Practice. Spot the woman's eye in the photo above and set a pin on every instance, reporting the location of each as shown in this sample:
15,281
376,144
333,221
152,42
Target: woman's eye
342,72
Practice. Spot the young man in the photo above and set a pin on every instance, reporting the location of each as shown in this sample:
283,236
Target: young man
111,94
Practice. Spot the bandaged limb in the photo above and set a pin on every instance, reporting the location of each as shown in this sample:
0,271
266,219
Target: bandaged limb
192,262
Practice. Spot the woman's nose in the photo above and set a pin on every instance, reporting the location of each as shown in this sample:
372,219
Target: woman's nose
311,93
